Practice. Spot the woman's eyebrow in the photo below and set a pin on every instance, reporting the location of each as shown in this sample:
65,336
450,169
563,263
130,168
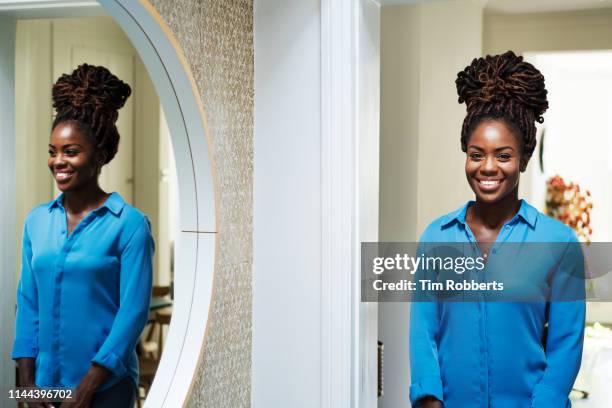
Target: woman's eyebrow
66,145
496,149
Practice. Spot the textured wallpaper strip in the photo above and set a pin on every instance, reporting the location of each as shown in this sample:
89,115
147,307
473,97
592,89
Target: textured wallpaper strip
217,38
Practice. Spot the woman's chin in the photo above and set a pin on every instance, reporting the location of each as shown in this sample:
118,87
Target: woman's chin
488,198
63,187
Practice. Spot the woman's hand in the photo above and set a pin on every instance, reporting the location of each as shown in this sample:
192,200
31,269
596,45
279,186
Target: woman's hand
88,386
26,368
429,402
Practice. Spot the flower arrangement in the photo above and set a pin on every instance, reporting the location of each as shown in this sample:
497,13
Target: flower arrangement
567,203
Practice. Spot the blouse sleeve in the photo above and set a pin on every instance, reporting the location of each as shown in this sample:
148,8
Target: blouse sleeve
566,316
26,326
426,379
135,296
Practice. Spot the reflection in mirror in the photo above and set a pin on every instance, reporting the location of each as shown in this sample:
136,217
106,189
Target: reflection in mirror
78,269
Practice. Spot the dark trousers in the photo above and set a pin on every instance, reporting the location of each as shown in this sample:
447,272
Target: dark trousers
120,395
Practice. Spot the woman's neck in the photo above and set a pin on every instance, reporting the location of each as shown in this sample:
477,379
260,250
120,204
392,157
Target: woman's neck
84,200
494,215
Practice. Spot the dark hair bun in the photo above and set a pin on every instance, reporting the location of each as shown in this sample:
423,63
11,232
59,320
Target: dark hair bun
91,96
500,78
90,87
505,88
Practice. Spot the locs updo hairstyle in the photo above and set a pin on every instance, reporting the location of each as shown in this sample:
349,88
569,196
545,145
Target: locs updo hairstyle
90,98
506,88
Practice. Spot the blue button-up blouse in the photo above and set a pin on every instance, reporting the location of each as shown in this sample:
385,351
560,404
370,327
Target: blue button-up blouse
490,354
83,298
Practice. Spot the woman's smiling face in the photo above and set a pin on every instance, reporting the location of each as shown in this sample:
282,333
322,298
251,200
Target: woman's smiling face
72,158
493,163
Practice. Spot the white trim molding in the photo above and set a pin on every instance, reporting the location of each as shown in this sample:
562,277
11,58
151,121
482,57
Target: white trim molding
349,181
338,195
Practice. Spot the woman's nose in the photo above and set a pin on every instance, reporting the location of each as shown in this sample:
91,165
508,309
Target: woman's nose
489,164
58,160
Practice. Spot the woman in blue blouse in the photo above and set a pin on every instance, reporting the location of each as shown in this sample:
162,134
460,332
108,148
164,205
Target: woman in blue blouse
83,297
491,354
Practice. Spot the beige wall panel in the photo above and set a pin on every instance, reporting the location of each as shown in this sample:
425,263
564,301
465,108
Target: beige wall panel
579,30
217,38
399,122
451,30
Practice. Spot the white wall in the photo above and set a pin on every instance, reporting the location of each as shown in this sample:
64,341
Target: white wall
287,205
424,46
291,335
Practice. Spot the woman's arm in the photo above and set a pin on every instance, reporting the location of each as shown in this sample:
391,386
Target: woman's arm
563,354
426,388
26,367
565,339
25,345
135,296
424,366
429,402
95,377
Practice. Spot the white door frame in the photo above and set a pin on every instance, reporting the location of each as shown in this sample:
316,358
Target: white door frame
198,189
349,173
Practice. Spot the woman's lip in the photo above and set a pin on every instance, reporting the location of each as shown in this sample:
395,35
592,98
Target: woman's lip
489,184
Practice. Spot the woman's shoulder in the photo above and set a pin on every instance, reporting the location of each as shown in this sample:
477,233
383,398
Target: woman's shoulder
134,223
133,217
38,211
133,214
436,230
549,229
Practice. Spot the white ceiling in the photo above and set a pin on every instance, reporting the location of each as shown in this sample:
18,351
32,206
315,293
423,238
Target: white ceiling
523,6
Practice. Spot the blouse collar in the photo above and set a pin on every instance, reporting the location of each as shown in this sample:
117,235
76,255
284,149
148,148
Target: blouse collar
114,203
526,213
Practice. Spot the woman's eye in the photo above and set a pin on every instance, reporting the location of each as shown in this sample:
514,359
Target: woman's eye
504,156
475,156
71,152
51,153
